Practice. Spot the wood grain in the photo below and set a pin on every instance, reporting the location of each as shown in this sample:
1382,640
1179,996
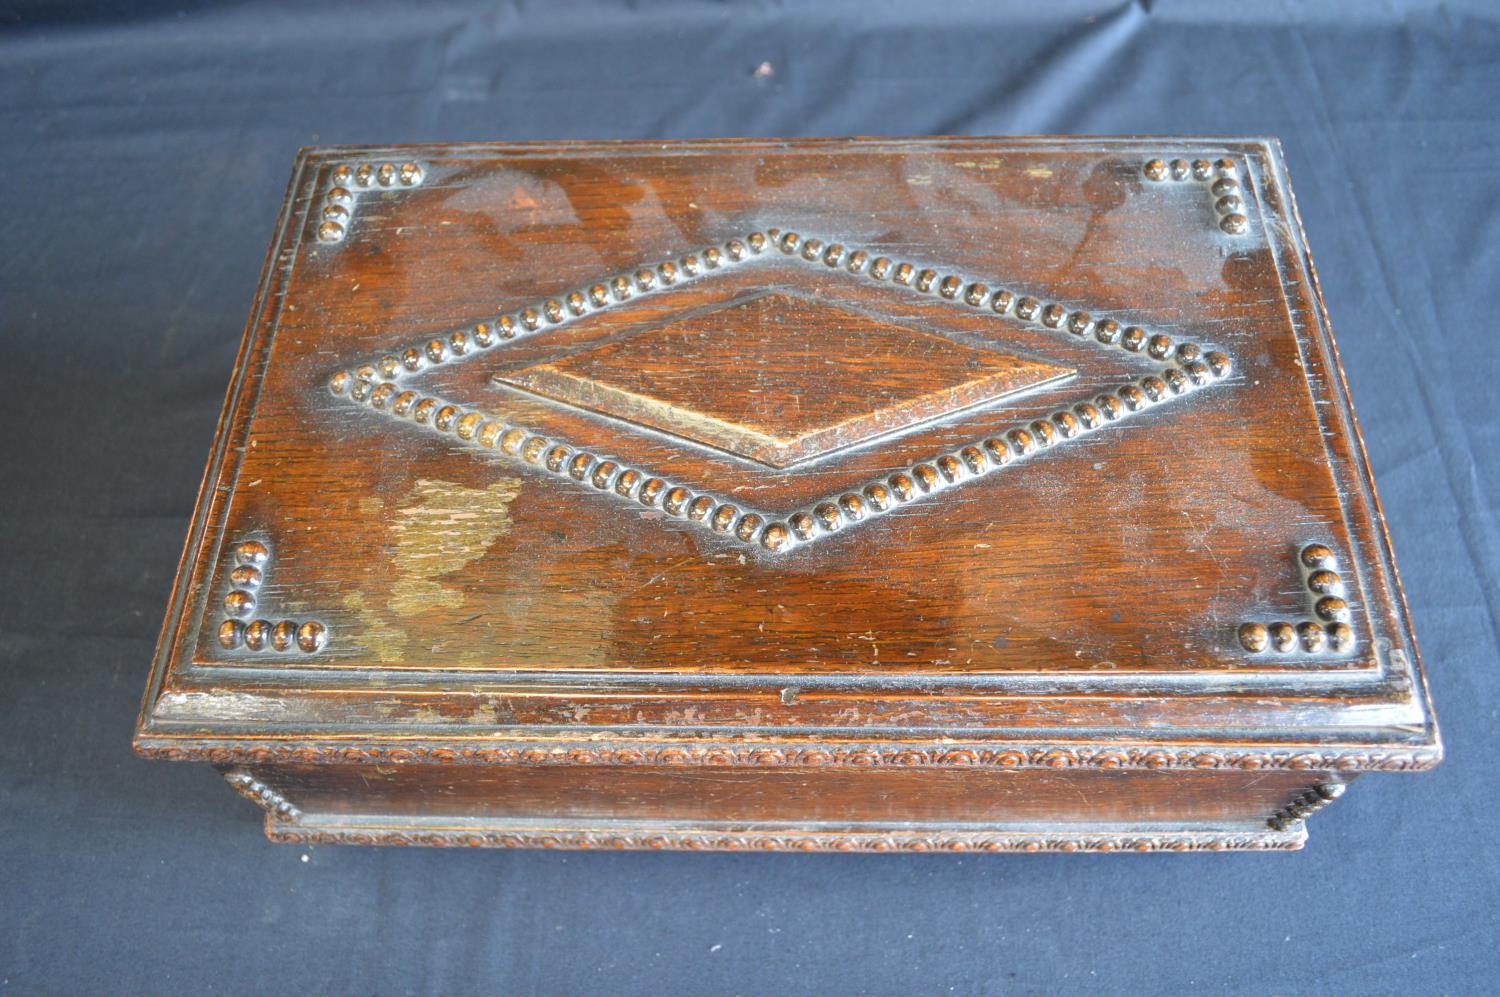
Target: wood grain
781,379
1010,452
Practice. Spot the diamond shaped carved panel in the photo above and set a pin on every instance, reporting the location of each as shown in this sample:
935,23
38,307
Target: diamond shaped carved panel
633,379
780,378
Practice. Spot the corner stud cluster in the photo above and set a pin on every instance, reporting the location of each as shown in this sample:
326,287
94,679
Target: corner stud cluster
263,796
1328,631
347,182
251,561
1224,187
1305,805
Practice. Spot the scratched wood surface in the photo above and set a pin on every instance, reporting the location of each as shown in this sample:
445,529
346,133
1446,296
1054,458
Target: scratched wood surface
874,437
781,379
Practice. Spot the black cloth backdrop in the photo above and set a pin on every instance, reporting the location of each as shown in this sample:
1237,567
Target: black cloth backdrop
145,149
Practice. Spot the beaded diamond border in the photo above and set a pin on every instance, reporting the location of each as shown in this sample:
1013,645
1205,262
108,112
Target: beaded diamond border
1183,368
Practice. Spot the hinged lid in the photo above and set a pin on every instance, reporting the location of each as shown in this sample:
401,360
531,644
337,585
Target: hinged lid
951,451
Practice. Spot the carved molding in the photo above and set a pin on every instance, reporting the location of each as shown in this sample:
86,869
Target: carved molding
809,755
1222,178
1326,631
1180,369
345,185
956,841
252,562
273,803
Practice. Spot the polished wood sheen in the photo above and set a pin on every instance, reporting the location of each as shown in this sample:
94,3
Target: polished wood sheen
780,379
994,494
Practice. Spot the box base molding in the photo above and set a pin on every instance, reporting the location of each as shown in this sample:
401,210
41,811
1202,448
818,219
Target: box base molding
656,835
729,809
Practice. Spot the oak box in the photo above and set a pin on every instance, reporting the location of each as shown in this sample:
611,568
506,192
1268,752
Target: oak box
994,494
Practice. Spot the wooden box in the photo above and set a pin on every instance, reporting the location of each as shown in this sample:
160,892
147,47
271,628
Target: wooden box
938,494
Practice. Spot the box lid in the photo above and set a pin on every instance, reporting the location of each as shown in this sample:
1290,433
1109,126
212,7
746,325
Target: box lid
947,451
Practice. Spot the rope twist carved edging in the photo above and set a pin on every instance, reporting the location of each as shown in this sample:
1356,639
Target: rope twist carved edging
830,842
803,756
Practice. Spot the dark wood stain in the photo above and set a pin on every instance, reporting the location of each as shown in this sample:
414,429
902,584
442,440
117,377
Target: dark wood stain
874,494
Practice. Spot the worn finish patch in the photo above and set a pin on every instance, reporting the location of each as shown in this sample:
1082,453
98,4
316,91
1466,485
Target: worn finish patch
438,528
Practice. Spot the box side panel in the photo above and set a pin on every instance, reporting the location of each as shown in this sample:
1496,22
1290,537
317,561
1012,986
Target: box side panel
613,806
